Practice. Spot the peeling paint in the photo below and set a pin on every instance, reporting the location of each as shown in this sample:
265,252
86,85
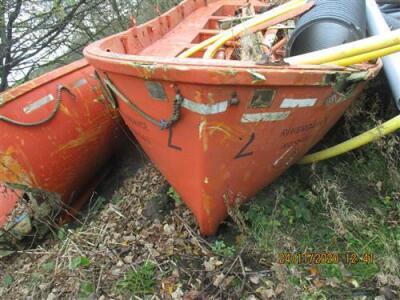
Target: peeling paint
147,69
11,170
230,72
257,77
80,82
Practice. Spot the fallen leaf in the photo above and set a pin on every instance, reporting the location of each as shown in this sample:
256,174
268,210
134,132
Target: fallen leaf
177,294
318,283
355,283
314,272
218,280
212,264
255,279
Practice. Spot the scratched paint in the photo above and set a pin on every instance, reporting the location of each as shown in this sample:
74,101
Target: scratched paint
11,170
285,158
84,138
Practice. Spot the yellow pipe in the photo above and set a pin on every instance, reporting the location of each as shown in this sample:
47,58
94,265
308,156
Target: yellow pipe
354,143
366,56
256,20
347,50
243,27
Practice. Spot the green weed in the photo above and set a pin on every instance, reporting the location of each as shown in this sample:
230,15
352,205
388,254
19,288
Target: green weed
86,289
220,248
79,261
174,195
139,282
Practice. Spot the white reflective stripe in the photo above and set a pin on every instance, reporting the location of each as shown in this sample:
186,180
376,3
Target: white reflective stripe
264,117
38,104
205,109
80,82
292,103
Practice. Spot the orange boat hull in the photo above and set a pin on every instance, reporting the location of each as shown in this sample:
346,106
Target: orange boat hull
218,130
56,132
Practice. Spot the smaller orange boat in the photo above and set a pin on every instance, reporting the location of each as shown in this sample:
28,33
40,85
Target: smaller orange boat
56,133
219,129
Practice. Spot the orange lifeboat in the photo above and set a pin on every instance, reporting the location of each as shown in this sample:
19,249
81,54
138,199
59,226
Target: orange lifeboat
56,132
218,129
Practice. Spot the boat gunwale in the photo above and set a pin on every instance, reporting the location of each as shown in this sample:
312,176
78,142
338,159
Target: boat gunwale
20,90
146,63
94,51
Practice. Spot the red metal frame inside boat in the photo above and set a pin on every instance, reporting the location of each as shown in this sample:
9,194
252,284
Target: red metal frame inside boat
56,132
236,126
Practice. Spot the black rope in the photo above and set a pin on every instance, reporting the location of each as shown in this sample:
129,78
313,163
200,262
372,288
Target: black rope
53,113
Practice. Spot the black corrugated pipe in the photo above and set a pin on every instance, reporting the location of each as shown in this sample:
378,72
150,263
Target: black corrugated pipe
330,23
388,1
391,10
392,22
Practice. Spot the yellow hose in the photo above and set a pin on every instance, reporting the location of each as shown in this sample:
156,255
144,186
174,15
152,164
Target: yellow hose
347,50
245,26
344,55
348,61
354,143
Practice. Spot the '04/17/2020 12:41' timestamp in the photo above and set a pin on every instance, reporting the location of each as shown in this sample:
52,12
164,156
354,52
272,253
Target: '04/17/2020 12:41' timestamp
319,258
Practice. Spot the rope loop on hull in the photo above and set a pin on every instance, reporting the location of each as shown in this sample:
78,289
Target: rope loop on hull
52,115
162,124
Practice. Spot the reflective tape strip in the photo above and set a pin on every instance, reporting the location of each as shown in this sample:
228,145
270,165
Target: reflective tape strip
80,83
265,117
38,104
292,103
205,109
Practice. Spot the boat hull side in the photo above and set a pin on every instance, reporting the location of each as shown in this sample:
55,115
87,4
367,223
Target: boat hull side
61,155
230,140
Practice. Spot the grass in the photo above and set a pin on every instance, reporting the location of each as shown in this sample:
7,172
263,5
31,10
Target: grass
348,205
139,282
